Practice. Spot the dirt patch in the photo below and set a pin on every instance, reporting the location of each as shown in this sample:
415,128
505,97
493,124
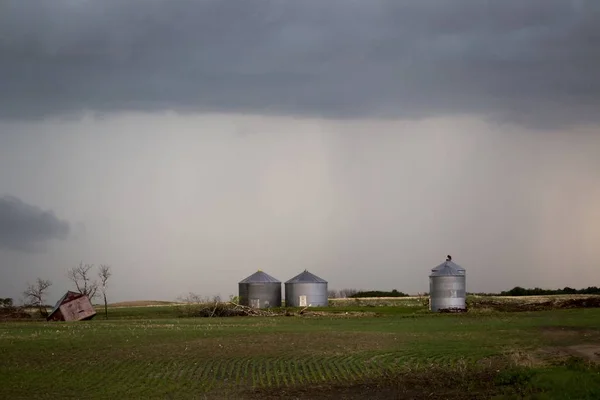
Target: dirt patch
528,358
569,332
359,391
555,355
525,358
432,384
590,352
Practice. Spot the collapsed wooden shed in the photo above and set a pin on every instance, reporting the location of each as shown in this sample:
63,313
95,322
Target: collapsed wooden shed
72,306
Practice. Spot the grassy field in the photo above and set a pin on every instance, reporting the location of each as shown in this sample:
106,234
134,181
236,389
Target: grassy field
361,351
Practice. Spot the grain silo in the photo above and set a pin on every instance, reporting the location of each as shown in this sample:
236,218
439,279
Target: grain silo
447,287
260,290
306,290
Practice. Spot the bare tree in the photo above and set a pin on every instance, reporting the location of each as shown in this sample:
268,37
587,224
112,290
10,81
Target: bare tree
81,276
191,303
104,273
36,293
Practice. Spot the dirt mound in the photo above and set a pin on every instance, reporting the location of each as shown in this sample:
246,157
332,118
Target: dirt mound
590,302
517,305
11,313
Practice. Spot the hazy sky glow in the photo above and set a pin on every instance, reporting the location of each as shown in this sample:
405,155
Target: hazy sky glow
189,143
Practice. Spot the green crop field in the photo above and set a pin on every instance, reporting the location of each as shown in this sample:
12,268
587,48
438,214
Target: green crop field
385,353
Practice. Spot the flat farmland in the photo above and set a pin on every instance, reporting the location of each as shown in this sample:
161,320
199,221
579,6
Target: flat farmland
395,352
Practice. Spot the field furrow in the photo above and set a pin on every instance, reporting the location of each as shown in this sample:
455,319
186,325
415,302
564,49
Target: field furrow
297,371
338,370
245,378
277,370
313,371
305,372
206,378
193,372
254,373
231,377
239,371
133,371
354,365
320,368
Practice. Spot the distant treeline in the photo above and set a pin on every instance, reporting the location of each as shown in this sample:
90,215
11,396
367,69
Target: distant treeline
516,291
8,302
519,291
377,293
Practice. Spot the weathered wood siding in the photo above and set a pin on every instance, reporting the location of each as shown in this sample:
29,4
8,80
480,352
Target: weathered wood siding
77,310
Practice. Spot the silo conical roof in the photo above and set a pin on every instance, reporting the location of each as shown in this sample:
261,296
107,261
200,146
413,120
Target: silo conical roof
306,277
260,277
448,268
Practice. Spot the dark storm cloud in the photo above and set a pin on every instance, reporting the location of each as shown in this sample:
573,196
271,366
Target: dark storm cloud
24,227
534,62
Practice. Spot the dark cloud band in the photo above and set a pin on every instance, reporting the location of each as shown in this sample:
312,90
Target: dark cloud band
532,63
24,227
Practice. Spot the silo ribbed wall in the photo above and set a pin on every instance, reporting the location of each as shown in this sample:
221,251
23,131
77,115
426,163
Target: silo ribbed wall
309,294
260,295
447,292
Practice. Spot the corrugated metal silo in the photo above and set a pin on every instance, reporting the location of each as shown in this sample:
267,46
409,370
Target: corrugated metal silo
260,290
306,290
447,287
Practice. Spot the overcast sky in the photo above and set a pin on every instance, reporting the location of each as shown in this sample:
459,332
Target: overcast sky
190,143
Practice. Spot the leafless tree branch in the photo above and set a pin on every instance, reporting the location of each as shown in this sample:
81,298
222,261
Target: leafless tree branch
36,292
81,277
104,273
